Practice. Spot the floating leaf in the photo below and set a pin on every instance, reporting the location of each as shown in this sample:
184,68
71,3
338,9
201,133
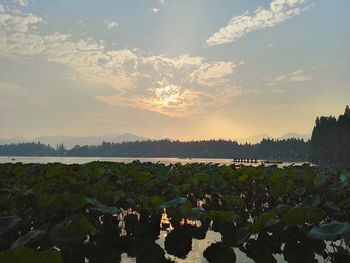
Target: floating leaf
178,208
175,203
8,223
62,202
25,255
259,252
98,206
197,213
331,231
151,203
150,253
302,215
312,201
320,179
262,219
178,242
71,232
219,253
234,201
217,184
28,239
272,222
220,217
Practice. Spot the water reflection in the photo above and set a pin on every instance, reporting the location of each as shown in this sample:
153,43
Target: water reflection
196,254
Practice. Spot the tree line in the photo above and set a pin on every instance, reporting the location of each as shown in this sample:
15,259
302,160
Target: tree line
329,144
330,141
287,149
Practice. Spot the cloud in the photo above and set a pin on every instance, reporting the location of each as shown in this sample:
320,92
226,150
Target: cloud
300,78
170,100
20,2
162,2
294,76
239,26
155,10
297,72
17,21
111,24
213,74
179,86
176,101
10,89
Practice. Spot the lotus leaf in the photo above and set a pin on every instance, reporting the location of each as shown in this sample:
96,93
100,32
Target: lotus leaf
28,239
178,242
220,217
320,179
24,255
219,253
302,215
98,206
331,231
71,232
8,223
312,201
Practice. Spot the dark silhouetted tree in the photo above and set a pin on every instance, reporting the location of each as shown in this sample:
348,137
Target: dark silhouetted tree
330,141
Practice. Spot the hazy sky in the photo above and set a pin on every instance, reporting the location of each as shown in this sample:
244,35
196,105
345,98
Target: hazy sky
184,69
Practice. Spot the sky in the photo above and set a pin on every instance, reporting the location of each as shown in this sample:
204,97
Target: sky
180,69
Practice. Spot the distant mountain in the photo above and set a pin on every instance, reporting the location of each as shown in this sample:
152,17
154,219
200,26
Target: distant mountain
12,140
70,141
295,135
258,138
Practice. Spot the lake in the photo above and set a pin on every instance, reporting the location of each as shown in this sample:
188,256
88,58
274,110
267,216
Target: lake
83,160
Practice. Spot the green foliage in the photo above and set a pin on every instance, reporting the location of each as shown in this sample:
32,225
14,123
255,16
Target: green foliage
32,237
151,203
71,232
100,207
8,223
234,201
255,209
178,242
62,202
219,253
220,217
312,201
151,253
178,208
331,231
301,215
259,252
320,179
262,220
24,255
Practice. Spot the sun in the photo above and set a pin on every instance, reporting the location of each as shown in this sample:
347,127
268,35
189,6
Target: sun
168,96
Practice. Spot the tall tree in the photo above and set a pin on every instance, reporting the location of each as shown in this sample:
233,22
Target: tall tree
330,141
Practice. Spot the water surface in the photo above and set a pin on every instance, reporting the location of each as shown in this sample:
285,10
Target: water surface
83,160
